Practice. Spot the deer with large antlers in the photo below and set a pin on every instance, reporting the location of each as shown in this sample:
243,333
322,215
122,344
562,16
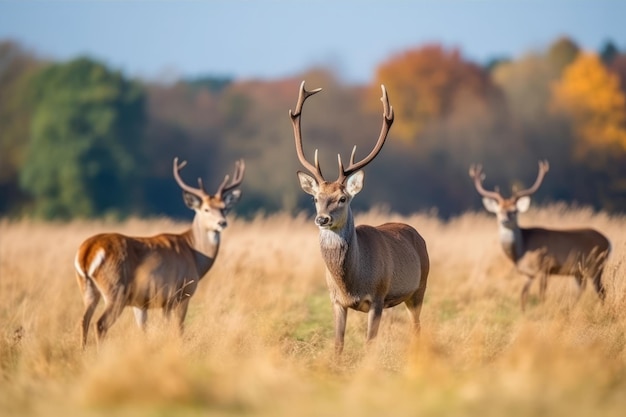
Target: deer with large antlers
539,252
161,271
367,268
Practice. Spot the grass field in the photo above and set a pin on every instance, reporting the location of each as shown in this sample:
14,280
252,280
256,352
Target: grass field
258,337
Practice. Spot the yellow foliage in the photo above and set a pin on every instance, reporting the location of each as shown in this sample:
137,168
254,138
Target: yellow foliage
592,97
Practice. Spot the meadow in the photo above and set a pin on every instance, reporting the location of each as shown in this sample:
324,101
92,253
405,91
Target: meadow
258,337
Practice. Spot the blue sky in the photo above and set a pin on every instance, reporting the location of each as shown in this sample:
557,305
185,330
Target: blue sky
274,39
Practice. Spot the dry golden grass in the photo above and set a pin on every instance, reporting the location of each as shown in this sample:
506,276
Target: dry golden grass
259,331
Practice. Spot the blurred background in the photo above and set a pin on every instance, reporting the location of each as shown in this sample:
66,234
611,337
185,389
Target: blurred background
97,98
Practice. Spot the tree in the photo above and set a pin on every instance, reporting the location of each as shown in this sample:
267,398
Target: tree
85,152
16,70
608,52
591,96
427,84
561,53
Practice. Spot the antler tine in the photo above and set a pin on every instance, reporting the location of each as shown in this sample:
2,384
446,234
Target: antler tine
240,168
201,184
544,167
196,191
476,172
297,133
387,122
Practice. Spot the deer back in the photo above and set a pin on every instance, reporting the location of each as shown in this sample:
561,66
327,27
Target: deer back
148,271
563,251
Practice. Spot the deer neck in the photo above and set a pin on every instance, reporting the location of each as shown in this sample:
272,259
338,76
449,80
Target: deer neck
205,245
511,241
340,249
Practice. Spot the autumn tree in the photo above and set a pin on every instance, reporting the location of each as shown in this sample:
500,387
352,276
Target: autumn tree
561,53
428,84
591,97
534,131
527,81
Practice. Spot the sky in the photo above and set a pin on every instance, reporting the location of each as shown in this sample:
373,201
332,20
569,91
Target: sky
263,39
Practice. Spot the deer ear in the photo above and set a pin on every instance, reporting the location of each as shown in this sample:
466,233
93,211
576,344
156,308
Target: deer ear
522,204
231,199
354,183
191,200
308,184
491,205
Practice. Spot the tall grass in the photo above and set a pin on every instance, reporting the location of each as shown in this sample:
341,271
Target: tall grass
258,337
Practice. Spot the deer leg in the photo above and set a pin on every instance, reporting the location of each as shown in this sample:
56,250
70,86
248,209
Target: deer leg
597,283
112,311
341,314
141,317
524,296
414,303
543,284
91,297
373,320
414,307
181,312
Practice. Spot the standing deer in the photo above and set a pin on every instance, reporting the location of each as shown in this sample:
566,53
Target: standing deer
541,252
161,271
367,268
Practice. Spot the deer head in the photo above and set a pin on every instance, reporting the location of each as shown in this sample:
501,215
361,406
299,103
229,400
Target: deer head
211,210
506,209
332,199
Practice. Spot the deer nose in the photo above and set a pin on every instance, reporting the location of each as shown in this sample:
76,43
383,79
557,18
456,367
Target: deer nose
222,223
322,220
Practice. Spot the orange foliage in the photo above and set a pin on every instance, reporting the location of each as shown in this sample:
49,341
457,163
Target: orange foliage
427,84
591,96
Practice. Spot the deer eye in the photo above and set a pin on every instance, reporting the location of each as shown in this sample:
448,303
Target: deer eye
342,199
315,199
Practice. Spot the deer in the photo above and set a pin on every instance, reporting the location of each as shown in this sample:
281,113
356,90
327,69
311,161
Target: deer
540,252
368,268
161,271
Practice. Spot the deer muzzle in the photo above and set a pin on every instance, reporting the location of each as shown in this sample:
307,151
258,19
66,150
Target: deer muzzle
323,220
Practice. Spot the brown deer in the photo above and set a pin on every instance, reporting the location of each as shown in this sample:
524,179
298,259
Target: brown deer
161,271
367,268
539,252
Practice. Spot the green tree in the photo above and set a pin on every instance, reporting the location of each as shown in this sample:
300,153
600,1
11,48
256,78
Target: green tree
85,151
16,70
608,52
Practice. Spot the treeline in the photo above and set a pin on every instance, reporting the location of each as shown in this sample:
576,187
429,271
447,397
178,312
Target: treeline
80,139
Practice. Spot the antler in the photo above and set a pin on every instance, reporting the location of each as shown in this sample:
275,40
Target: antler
297,133
200,192
240,168
387,122
476,172
544,167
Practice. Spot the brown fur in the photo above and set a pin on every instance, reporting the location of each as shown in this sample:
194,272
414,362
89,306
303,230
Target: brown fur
161,271
368,268
539,252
